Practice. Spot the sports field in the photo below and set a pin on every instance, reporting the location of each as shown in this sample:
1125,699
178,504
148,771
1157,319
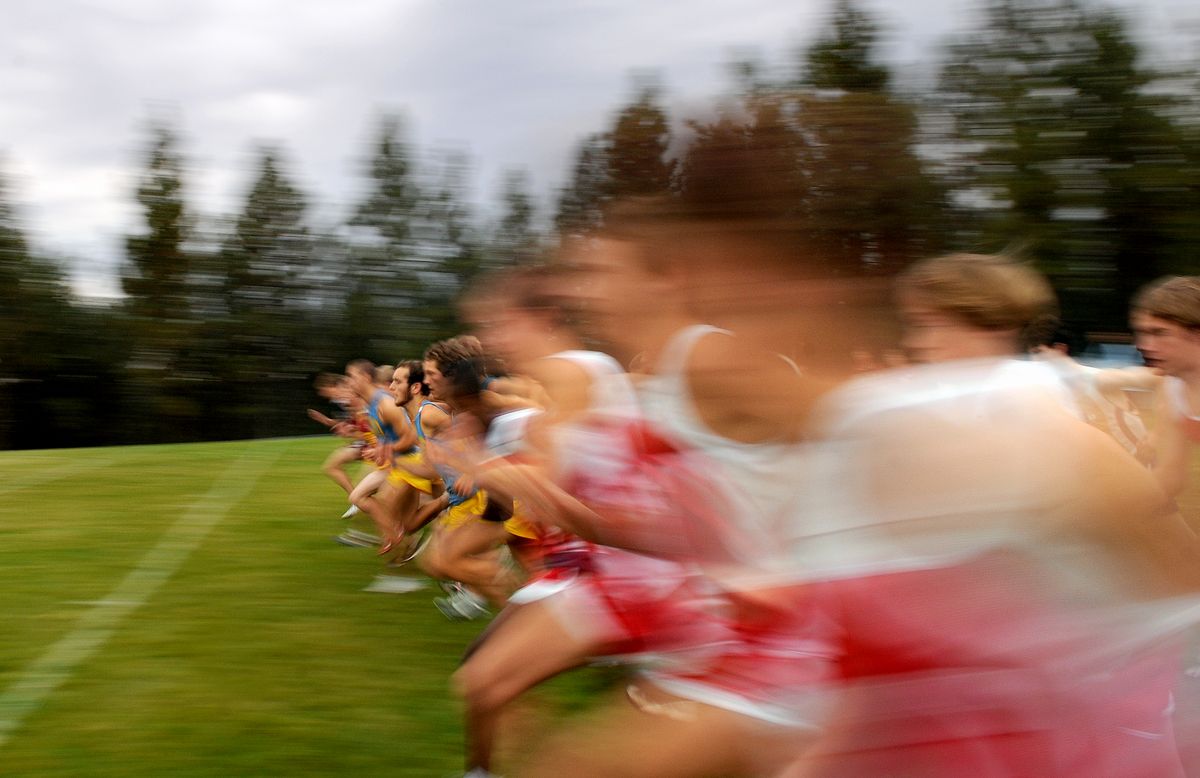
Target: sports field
182,611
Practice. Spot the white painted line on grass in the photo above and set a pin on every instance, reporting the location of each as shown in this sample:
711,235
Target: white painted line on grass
54,474
53,668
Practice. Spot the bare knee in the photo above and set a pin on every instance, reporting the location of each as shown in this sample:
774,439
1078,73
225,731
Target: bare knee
481,689
430,563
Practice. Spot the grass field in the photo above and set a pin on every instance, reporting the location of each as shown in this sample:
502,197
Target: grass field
182,611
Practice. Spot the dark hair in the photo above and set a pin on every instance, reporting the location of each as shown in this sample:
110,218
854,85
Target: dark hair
1049,330
465,378
445,353
416,374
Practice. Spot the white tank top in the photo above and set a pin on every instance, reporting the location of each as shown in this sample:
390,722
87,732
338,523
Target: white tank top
974,427
611,390
611,394
757,479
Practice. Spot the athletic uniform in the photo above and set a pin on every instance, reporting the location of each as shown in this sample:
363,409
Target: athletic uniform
402,472
748,491
1177,400
1119,419
505,438
962,632
623,602
382,432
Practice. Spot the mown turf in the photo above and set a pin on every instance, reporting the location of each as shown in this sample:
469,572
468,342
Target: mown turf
260,655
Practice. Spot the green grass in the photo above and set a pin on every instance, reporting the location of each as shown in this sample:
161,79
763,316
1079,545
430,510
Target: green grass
259,655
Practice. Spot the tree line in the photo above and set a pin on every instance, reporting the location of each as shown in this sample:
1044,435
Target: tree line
1046,130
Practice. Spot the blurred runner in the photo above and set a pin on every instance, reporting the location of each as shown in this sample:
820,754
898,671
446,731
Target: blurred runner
333,388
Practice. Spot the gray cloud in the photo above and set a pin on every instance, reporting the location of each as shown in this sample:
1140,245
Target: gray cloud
517,83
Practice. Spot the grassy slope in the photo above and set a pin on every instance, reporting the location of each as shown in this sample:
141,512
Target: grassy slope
260,656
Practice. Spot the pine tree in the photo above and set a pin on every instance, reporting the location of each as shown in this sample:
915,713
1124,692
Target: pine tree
457,252
266,273
38,337
155,274
389,260
514,238
837,154
1064,149
580,202
844,57
637,148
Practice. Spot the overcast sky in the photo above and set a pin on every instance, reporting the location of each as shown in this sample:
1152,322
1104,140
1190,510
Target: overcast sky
516,83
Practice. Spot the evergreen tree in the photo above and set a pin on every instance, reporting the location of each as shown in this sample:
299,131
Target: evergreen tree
1064,149
844,57
48,391
637,148
457,253
266,257
628,160
837,155
266,271
514,239
581,200
155,274
155,278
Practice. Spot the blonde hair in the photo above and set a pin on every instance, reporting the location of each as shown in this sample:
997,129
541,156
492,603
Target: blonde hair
988,291
1174,298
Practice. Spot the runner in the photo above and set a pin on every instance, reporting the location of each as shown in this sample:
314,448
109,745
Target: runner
464,548
392,434
581,599
622,602
1002,582
333,388
1165,318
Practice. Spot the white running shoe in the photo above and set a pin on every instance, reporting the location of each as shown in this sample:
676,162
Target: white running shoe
350,512
395,584
353,537
462,604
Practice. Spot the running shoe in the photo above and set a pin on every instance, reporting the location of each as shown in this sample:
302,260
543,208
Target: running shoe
356,539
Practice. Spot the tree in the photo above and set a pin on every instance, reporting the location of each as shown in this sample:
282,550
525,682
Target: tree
1062,147
628,160
388,262
155,277
264,337
580,202
832,157
58,363
456,251
844,57
514,239
637,148
155,274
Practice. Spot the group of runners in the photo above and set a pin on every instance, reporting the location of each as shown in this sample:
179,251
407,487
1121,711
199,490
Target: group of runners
973,564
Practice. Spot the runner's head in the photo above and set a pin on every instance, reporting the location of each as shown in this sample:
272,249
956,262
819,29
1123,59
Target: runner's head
441,355
519,315
756,238
328,385
398,386
1165,317
618,280
360,374
416,386
464,386
962,306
